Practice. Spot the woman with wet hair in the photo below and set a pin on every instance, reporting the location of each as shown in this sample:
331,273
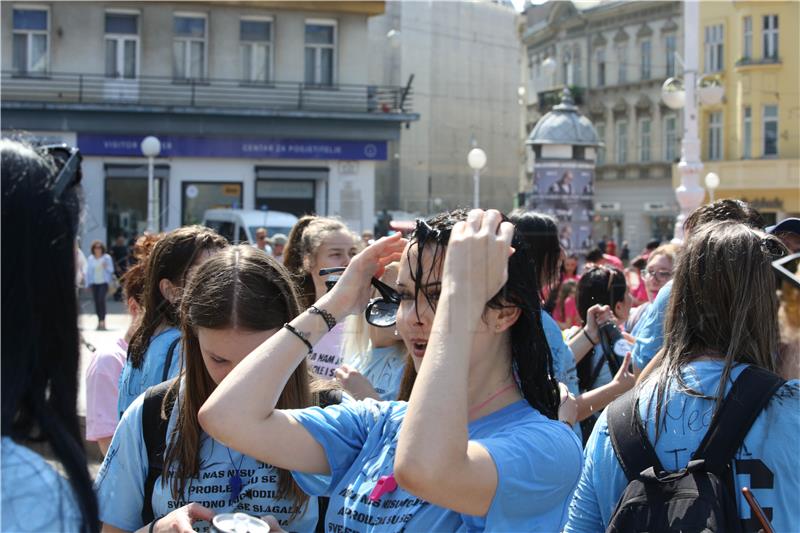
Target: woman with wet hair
722,318
478,446
40,344
154,354
233,303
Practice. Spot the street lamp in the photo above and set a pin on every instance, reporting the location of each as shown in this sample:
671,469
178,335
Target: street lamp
712,182
677,95
476,159
151,147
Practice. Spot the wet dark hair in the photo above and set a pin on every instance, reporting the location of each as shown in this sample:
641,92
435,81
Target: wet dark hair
594,255
602,285
530,353
540,232
40,341
170,259
639,262
725,209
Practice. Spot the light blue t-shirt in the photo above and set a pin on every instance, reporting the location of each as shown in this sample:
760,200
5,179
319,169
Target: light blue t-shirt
134,381
120,481
34,496
384,369
563,360
767,462
538,462
649,331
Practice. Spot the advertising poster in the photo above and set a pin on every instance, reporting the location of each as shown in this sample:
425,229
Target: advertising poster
565,191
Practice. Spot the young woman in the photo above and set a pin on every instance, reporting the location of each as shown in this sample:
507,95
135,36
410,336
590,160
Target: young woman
99,274
569,268
722,318
477,446
565,311
656,273
233,303
102,374
156,339
40,355
316,243
374,357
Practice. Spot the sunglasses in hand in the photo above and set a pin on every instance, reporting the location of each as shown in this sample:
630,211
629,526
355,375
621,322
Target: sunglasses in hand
381,312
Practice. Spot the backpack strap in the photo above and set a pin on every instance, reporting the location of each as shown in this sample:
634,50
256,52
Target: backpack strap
628,437
168,360
748,396
156,410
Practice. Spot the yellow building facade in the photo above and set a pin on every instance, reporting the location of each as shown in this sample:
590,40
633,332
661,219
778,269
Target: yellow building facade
752,138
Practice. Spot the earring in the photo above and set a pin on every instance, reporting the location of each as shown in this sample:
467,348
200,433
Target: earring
395,332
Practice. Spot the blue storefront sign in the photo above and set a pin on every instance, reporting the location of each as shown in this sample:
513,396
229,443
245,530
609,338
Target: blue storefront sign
186,146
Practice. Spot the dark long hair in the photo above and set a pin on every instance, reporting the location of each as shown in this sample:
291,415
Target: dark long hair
530,354
40,341
603,285
170,259
541,233
240,287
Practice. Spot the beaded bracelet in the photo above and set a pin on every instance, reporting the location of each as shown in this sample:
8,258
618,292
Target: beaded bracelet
302,336
326,316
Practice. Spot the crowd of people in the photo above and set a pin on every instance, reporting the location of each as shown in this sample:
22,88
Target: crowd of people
471,375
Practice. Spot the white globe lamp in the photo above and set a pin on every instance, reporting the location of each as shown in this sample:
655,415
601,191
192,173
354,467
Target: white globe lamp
476,159
673,94
712,182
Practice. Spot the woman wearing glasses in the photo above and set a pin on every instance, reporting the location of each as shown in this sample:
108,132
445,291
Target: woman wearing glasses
478,445
40,354
655,275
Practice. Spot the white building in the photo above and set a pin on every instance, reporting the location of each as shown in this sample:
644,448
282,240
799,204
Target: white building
263,105
614,57
465,59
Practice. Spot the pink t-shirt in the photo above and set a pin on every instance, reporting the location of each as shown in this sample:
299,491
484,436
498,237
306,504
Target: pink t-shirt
102,390
326,356
570,315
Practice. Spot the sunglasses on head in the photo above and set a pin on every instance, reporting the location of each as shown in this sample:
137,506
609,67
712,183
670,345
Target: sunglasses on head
69,159
381,312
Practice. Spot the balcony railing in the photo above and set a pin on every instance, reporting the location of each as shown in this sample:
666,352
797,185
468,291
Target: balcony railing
203,93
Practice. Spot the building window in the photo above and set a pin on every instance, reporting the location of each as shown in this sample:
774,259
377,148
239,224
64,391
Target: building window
601,67
622,64
320,50
770,130
644,140
645,46
671,44
31,40
747,133
747,38
770,37
715,136
255,49
622,142
122,45
565,70
601,137
576,66
670,138
189,46
714,48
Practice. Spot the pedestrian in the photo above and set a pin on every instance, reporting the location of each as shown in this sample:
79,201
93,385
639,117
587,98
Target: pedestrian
252,297
374,357
569,268
625,253
278,243
656,273
722,324
480,445
649,331
119,253
316,243
788,231
154,354
565,311
635,280
99,274
105,367
262,241
41,207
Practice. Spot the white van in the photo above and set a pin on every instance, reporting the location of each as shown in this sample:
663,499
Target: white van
240,225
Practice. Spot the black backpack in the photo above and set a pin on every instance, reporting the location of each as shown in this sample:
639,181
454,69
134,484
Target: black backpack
156,410
702,496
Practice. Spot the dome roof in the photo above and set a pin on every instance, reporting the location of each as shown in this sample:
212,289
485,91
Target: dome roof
564,125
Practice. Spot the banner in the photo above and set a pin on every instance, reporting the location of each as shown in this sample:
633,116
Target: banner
565,191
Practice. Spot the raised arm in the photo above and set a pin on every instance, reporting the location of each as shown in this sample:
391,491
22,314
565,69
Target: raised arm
435,459
241,411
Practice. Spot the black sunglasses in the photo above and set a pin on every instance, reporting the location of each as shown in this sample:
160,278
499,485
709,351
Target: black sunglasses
381,312
69,159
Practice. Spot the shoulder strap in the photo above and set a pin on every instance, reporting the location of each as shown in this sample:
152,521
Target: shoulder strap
155,416
168,360
748,396
628,437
